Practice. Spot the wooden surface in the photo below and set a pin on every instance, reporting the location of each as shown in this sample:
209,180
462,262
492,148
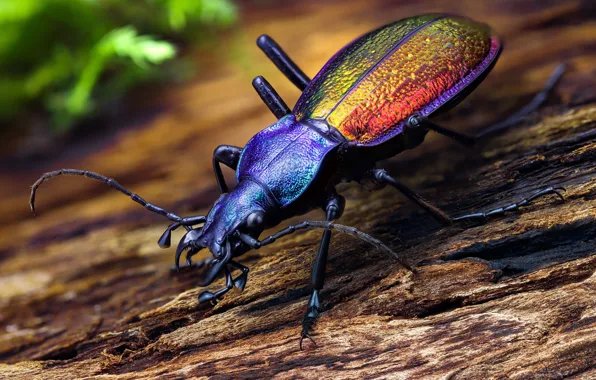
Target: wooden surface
85,290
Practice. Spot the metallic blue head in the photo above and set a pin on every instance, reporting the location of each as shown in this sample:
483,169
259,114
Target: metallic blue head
243,210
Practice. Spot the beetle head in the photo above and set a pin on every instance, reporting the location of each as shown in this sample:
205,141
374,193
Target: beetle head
241,211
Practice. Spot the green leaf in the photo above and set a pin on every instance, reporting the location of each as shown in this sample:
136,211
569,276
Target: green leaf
54,53
125,42
206,11
122,42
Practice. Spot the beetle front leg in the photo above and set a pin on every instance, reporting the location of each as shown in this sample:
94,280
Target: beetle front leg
189,264
228,155
208,296
333,209
240,281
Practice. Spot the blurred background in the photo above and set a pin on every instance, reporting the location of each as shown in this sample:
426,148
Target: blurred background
144,90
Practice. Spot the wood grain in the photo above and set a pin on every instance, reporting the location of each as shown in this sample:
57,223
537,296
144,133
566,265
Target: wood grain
85,291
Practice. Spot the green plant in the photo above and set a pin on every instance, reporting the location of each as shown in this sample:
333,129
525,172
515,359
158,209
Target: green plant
53,53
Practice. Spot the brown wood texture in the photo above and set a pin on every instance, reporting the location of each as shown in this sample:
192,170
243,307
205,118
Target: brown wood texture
85,291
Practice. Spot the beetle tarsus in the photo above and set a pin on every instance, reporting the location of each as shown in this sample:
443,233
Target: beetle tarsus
205,297
311,316
240,281
305,334
515,205
208,296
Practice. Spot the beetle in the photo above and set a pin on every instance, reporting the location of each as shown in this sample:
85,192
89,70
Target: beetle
372,100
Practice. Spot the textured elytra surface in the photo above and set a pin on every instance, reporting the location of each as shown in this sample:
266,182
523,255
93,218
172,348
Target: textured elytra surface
352,62
85,291
379,80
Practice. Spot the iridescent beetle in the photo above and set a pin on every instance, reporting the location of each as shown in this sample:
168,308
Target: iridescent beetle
370,102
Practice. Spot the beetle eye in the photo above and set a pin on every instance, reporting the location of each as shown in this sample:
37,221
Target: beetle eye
254,220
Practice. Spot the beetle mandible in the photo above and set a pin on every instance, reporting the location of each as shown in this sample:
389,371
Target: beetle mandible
371,101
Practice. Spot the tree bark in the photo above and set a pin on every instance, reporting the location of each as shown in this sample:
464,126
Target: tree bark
85,291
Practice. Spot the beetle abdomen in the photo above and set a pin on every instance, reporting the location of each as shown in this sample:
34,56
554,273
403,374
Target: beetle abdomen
412,66
285,158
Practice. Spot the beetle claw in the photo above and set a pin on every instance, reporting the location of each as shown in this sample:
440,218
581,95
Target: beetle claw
187,241
206,296
240,281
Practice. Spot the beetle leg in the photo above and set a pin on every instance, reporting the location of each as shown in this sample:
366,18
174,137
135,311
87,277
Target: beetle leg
283,62
270,97
192,264
208,296
240,281
532,106
228,155
416,121
515,205
334,208
380,175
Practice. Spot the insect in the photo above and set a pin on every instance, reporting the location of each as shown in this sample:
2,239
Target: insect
371,101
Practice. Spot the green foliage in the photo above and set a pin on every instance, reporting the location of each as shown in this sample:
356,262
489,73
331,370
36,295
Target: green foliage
206,11
53,53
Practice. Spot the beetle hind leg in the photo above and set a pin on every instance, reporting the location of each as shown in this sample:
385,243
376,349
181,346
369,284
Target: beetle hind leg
515,205
537,101
381,176
419,121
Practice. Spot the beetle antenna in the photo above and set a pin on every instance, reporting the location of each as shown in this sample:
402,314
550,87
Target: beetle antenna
341,228
109,181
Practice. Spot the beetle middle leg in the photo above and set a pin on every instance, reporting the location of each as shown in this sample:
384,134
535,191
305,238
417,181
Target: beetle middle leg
333,208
